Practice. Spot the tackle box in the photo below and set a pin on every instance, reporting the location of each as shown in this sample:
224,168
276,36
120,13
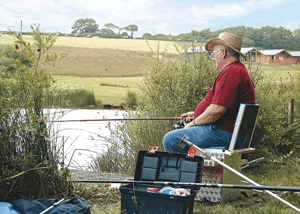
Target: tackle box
162,166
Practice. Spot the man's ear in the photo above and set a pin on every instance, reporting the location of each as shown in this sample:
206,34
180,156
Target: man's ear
225,54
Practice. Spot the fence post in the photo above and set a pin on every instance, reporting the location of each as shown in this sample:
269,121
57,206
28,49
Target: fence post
291,112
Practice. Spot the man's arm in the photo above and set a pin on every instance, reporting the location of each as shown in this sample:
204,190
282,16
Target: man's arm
210,115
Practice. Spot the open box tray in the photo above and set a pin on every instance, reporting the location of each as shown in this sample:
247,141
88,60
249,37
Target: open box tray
162,166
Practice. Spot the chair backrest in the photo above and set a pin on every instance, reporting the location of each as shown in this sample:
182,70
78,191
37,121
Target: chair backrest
246,117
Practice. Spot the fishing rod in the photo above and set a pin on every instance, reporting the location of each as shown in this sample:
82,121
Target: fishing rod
118,119
185,141
166,183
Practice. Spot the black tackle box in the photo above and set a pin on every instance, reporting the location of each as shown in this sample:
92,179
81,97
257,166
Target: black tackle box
162,166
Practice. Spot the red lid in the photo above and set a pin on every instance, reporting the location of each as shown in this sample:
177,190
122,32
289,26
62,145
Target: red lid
152,189
192,152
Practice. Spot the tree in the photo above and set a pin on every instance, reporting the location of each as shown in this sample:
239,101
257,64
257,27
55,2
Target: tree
106,31
146,35
248,42
85,26
111,26
132,29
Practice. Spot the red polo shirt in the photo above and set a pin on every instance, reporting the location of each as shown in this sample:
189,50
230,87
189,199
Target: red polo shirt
231,87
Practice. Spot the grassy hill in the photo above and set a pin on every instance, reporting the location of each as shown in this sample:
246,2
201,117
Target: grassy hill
114,62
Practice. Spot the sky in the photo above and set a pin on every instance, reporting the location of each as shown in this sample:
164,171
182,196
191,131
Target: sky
151,16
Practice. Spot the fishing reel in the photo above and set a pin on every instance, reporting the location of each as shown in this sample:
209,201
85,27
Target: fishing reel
179,125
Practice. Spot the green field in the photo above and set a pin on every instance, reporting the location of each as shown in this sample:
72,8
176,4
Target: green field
103,43
116,93
92,61
284,72
88,62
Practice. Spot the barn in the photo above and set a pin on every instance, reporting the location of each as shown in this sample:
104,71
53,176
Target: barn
296,56
277,56
252,54
193,51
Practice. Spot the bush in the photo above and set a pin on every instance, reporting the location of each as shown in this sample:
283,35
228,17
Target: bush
29,160
131,100
69,96
12,60
173,85
273,136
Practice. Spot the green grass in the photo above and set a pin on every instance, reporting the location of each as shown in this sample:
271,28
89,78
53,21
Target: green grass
107,92
279,72
88,62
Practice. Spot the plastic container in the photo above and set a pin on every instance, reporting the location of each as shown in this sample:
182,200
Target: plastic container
162,166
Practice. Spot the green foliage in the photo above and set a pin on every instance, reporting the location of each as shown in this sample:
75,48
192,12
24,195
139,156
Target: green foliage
132,29
266,37
11,59
131,100
273,136
173,85
85,26
72,97
28,159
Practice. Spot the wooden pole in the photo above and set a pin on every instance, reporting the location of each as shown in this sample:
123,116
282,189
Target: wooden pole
21,32
291,112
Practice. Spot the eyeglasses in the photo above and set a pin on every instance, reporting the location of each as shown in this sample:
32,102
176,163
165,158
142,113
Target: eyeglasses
213,53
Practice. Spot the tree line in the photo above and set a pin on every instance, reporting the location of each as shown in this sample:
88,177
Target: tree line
89,26
266,37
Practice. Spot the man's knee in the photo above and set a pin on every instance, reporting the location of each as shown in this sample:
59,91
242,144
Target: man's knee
167,142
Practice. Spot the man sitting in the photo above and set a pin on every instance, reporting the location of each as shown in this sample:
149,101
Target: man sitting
214,117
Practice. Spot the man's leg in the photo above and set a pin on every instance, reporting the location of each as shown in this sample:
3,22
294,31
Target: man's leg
202,136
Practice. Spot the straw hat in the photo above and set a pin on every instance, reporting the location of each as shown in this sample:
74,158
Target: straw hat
226,39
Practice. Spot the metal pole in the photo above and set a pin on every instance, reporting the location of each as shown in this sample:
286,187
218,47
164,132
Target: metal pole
118,119
185,141
54,204
166,183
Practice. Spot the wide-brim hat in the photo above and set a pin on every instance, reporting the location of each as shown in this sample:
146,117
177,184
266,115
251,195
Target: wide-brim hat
226,39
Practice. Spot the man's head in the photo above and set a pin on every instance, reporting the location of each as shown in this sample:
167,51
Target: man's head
225,49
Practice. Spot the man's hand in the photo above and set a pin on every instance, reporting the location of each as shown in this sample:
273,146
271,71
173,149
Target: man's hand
188,116
189,125
210,115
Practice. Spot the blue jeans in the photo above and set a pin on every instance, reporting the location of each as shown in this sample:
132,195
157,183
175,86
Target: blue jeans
204,136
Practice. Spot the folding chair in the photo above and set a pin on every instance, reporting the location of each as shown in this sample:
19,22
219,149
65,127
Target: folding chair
214,173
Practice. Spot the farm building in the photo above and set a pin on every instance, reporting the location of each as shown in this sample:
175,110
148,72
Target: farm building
296,56
194,50
252,54
277,56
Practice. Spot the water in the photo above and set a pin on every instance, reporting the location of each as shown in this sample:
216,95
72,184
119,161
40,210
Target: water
83,140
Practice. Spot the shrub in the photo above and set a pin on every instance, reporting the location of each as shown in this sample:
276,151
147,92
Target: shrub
273,136
28,158
131,100
69,96
173,85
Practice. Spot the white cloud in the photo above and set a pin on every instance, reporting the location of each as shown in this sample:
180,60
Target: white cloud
220,11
